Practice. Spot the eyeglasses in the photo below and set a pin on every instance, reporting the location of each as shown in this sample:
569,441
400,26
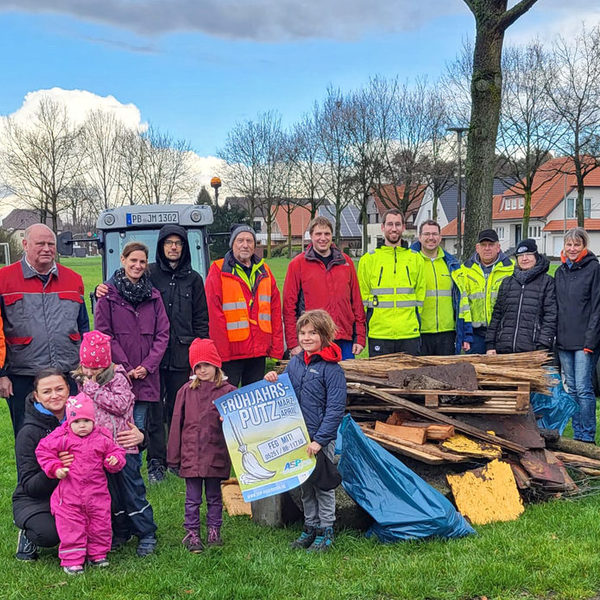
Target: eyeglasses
176,243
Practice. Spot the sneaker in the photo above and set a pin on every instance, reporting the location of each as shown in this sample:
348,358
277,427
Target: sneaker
193,542
119,542
146,545
156,471
101,563
307,537
323,540
26,549
214,536
73,570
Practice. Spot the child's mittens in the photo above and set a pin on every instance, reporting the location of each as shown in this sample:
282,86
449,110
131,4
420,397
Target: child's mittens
111,461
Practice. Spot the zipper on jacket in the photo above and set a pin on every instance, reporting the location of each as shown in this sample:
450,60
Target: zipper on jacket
380,276
437,313
518,318
395,248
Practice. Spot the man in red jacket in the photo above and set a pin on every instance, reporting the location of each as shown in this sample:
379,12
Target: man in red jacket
324,277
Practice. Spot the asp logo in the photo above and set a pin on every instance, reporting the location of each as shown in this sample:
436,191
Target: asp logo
293,465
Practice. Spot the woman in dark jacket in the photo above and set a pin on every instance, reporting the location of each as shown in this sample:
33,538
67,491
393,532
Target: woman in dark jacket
577,337
44,411
133,314
525,313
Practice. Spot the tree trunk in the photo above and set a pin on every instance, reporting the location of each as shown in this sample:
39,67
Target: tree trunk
486,88
434,208
365,223
289,224
526,213
338,224
580,196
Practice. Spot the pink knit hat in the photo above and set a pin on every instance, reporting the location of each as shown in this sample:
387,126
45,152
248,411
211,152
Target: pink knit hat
94,351
80,407
204,350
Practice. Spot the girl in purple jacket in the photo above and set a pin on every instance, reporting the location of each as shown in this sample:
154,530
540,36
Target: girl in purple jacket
197,445
81,502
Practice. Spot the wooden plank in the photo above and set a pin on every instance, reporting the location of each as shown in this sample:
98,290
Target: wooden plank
441,418
421,452
434,430
417,435
406,450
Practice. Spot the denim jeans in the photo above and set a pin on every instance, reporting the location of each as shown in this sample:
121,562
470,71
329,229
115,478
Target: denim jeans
578,369
478,344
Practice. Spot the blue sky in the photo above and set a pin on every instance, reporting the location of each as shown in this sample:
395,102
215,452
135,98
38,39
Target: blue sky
194,73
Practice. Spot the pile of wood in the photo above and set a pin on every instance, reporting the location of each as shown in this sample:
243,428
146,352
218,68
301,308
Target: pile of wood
464,412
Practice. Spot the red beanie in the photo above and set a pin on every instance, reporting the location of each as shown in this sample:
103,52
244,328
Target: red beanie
80,407
204,350
94,351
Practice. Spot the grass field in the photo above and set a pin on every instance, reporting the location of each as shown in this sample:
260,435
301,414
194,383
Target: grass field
552,551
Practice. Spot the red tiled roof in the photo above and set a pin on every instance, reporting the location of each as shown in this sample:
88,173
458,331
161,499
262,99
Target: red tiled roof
450,230
559,225
300,219
553,179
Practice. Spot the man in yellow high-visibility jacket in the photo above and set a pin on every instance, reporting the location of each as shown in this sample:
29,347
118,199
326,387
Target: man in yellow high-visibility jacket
392,287
446,315
482,275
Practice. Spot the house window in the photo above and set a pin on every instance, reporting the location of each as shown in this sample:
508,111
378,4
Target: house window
500,232
535,231
521,202
514,204
257,226
428,214
587,208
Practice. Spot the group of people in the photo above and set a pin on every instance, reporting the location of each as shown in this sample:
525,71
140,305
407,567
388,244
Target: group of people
109,393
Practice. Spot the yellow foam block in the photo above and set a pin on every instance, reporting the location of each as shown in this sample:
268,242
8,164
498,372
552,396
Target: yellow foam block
461,444
487,494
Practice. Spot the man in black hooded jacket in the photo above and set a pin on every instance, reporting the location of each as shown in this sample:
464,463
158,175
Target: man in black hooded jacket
182,291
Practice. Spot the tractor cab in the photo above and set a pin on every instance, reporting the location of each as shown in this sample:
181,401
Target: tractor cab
118,226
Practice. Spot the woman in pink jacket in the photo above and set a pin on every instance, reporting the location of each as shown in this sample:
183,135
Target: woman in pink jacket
81,502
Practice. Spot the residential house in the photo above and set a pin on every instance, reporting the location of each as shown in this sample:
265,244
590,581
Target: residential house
19,219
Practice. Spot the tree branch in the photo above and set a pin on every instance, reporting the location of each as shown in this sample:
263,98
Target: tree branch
511,15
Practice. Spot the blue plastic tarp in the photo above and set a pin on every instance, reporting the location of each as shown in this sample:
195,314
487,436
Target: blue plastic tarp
401,503
554,410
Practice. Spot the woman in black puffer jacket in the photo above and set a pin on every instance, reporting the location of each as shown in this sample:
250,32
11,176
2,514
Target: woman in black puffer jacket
525,312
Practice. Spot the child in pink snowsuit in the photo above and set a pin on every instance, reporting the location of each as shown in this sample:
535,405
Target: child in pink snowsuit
81,502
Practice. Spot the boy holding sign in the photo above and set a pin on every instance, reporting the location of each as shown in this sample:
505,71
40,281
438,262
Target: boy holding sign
320,386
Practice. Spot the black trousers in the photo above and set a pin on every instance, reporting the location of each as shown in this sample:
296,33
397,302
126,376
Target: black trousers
22,387
438,344
245,370
160,414
41,530
380,347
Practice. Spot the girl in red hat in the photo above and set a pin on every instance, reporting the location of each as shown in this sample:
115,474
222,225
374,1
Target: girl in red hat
197,445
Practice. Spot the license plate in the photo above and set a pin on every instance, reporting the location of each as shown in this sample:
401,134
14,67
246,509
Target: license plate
152,218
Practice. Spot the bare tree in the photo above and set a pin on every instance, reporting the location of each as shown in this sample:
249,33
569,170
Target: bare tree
333,139
572,85
492,19
83,202
527,131
130,165
165,171
365,150
42,158
102,136
306,157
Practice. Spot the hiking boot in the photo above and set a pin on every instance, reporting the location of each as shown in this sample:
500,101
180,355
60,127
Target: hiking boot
101,563
146,546
26,549
193,542
73,570
323,540
156,471
214,536
307,537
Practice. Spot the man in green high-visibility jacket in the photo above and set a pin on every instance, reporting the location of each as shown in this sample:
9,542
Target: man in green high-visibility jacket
392,287
482,275
446,315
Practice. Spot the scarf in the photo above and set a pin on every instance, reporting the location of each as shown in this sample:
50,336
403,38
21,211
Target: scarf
134,293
